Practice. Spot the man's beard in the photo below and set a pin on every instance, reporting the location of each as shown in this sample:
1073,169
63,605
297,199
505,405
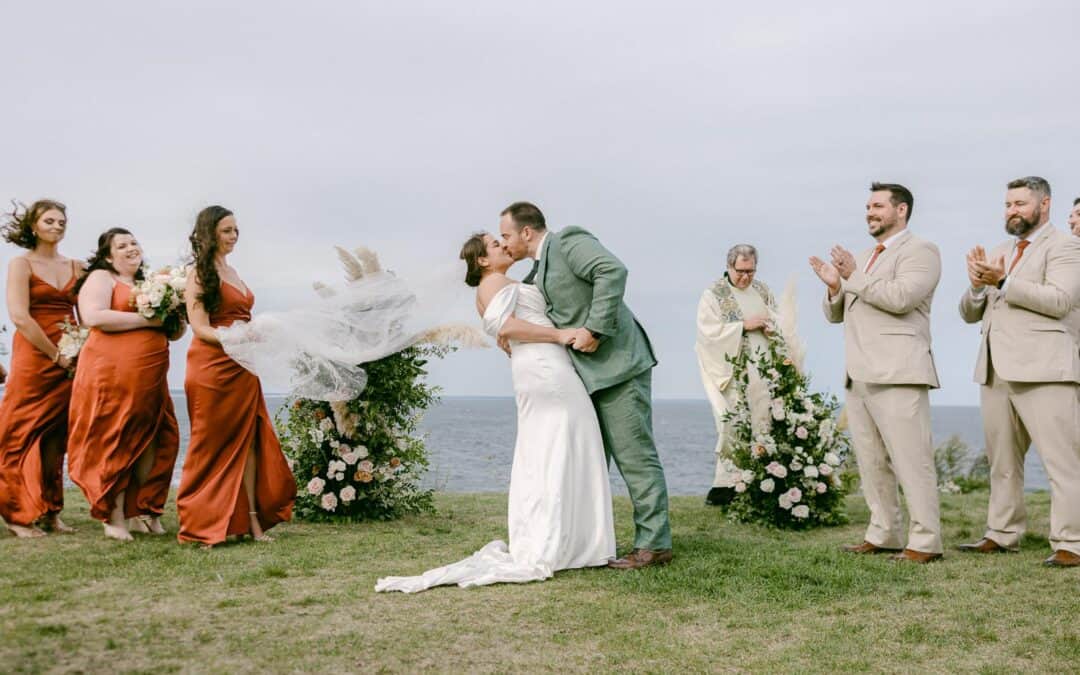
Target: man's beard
1021,227
879,226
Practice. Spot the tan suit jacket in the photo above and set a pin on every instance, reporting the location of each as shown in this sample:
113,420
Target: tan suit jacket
886,314
1031,329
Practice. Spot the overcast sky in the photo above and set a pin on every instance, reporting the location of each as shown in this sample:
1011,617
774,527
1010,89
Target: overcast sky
671,130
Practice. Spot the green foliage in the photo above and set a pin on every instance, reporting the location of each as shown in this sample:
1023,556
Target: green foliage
957,471
361,459
786,449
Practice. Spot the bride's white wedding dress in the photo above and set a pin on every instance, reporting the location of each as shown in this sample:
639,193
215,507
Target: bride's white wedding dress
560,499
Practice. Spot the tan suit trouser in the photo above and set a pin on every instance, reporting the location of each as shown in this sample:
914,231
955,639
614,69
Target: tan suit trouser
890,429
1015,414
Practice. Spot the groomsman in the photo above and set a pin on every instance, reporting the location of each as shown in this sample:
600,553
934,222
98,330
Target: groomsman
1074,217
1026,292
883,298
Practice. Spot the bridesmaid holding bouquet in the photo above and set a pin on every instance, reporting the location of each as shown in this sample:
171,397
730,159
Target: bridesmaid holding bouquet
235,479
34,410
124,437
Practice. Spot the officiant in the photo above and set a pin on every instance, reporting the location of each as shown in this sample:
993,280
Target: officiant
733,314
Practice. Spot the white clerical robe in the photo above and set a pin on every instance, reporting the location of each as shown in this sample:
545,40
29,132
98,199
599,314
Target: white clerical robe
720,335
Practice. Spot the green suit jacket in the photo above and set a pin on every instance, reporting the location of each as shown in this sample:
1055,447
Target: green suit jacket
583,284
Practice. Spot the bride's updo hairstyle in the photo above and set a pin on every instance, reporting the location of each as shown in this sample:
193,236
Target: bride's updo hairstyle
203,251
471,252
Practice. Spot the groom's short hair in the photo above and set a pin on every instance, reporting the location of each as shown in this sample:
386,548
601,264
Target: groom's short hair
898,194
525,213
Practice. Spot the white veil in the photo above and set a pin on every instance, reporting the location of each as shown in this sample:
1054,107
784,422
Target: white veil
315,351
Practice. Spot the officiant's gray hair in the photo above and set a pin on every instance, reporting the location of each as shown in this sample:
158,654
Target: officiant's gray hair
741,251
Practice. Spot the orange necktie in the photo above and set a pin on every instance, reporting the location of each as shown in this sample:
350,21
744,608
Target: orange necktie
1020,246
877,251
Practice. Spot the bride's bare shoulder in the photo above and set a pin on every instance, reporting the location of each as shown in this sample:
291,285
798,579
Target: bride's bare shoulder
489,286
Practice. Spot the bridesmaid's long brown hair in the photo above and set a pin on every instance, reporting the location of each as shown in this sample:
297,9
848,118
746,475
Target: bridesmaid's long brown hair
203,250
19,228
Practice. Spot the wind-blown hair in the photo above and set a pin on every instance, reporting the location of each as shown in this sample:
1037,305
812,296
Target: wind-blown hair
204,248
472,250
98,260
19,228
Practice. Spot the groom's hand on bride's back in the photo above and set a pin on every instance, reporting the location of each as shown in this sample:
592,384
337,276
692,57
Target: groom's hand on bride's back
584,341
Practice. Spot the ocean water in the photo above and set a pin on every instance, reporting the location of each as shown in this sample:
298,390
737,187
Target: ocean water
471,442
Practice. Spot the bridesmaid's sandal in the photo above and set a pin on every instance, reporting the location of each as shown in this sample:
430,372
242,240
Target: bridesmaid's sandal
117,532
24,532
137,525
263,538
52,523
153,525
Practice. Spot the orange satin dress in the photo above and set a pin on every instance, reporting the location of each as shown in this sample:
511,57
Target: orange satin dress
228,415
120,406
35,408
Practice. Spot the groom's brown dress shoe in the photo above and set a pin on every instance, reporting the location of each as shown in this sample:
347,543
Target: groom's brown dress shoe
641,557
867,548
1063,559
908,555
984,545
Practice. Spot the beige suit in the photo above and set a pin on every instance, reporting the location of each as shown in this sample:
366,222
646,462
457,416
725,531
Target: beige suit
1029,369
889,371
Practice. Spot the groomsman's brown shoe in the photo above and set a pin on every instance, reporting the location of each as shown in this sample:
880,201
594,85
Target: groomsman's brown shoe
1063,559
984,545
641,557
909,555
867,548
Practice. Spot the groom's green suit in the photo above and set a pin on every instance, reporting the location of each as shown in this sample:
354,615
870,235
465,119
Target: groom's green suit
583,284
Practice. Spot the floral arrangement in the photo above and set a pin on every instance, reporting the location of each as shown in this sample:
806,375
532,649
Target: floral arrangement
72,339
788,448
160,295
362,459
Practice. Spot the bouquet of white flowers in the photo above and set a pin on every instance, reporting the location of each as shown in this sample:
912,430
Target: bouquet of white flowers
71,341
160,295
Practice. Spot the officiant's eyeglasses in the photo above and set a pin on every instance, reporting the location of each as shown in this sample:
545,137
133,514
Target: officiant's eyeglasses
746,273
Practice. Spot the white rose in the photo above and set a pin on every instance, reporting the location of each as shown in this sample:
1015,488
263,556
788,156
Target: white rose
315,486
326,424
366,465
832,459
361,451
349,458
821,488
825,469
348,494
785,501
801,433
811,471
747,476
329,501
740,487
801,511
767,485
796,465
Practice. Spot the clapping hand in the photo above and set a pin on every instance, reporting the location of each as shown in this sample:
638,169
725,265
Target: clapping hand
827,273
983,272
843,260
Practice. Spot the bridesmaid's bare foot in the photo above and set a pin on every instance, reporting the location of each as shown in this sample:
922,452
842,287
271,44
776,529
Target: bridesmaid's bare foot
118,532
53,523
24,532
256,530
137,526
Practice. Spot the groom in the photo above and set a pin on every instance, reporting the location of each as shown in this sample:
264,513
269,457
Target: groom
583,285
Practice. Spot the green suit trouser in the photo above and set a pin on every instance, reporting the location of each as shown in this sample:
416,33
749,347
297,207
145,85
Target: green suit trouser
625,414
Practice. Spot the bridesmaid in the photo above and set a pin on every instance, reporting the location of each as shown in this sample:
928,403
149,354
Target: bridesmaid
235,479
123,429
33,413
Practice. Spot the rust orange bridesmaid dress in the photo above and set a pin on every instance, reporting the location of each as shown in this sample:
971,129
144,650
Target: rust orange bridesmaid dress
120,406
228,416
35,408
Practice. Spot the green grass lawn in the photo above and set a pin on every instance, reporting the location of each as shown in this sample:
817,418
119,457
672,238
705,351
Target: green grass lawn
736,598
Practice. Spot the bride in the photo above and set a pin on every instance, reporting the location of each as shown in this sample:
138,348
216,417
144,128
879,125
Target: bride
560,499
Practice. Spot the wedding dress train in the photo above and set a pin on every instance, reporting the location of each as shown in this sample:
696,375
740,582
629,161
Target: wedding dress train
560,499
